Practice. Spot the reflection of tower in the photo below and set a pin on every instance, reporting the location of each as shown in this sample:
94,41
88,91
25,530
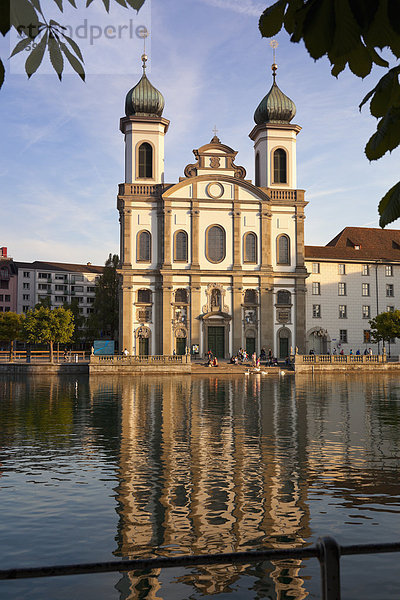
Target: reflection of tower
208,466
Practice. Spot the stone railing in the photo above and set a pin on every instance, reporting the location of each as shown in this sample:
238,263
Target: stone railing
306,359
294,195
120,359
140,189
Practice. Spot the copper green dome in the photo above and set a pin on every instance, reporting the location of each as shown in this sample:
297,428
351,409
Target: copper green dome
275,107
144,100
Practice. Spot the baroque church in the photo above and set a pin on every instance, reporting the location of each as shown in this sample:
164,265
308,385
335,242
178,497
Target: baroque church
214,261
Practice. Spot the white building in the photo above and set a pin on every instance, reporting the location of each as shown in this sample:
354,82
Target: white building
212,261
352,279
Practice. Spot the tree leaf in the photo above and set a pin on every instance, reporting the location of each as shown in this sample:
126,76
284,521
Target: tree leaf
347,32
23,18
389,206
319,29
2,73
72,2
136,4
21,46
387,93
291,15
338,68
59,4
56,57
74,46
122,3
34,59
5,24
88,3
73,61
271,21
387,136
36,5
107,5
378,60
360,62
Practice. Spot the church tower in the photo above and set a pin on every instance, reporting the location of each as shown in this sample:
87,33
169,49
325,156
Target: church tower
275,140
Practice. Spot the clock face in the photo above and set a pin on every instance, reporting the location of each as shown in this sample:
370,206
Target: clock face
215,190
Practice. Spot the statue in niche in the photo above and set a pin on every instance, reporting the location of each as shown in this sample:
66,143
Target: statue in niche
215,299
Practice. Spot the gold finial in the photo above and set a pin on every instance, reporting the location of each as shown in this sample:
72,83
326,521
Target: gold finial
274,44
144,33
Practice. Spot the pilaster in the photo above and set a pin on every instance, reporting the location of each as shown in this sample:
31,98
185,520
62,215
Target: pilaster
195,309
126,315
167,341
237,339
127,245
300,305
266,220
158,316
300,239
236,238
267,316
167,234
195,215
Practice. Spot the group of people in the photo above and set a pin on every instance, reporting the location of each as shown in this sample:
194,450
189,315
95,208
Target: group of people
367,351
212,360
243,357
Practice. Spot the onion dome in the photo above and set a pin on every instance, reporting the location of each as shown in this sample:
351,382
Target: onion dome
275,107
144,100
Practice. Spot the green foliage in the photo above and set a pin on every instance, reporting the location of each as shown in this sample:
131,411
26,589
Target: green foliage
79,319
26,17
43,325
104,320
11,325
350,33
385,326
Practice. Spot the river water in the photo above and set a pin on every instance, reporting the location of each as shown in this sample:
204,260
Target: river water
102,468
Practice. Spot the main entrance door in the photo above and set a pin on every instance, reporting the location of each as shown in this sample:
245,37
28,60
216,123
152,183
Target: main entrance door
180,346
250,345
216,341
143,346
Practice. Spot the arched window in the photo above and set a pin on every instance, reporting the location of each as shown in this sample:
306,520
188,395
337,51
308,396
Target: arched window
250,247
250,297
144,296
283,297
280,167
145,161
181,246
181,296
143,248
215,243
283,250
257,165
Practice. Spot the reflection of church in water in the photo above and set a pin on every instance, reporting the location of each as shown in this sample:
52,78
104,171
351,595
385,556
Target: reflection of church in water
213,261
191,484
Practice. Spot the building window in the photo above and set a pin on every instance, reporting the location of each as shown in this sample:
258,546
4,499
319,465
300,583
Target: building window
388,270
341,289
25,296
25,308
257,170
390,290
90,300
44,275
342,269
59,277
366,311
74,288
89,311
365,289
44,286
390,309
316,288
215,243
60,288
365,270
1,297
181,296
283,297
315,268
316,311
250,247
342,311
6,309
343,336
367,336
144,296
145,161
250,297
143,247
27,274
26,286
180,246
280,168
7,298
283,248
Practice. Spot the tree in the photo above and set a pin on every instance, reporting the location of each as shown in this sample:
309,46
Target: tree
104,320
79,319
350,32
45,326
11,329
385,327
38,33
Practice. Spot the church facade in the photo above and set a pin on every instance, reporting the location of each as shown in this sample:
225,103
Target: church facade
214,261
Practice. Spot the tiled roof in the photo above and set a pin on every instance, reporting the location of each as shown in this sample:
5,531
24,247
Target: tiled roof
359,244
54,266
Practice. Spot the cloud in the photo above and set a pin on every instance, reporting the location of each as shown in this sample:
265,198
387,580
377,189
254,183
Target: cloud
246,7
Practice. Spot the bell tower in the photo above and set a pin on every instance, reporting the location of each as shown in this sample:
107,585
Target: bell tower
274,140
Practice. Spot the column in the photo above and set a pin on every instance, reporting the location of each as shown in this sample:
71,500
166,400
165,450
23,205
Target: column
237,317
266,242
195,309
195,215
167,346
300,306
126,315
267,316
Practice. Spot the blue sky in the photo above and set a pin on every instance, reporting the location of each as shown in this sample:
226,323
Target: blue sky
62,152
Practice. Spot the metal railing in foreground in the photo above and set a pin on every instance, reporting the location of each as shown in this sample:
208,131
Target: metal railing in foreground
327,550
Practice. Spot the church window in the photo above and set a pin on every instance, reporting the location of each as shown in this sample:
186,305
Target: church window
250,247
144,296
283,248
257,165
250,297
215,243
181,246
280,167
144,246
283,297
181,296
145,161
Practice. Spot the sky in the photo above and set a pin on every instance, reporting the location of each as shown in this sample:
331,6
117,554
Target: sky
62,154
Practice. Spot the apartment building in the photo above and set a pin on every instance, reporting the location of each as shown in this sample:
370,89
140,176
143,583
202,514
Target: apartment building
352,279
8,282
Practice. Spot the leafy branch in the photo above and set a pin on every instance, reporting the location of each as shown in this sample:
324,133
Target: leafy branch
352,33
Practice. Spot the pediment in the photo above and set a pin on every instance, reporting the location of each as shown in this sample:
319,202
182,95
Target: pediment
184,189
215,156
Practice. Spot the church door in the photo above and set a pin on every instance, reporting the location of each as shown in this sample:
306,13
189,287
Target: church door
180,346
250,345
143,346
283,347
216,341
